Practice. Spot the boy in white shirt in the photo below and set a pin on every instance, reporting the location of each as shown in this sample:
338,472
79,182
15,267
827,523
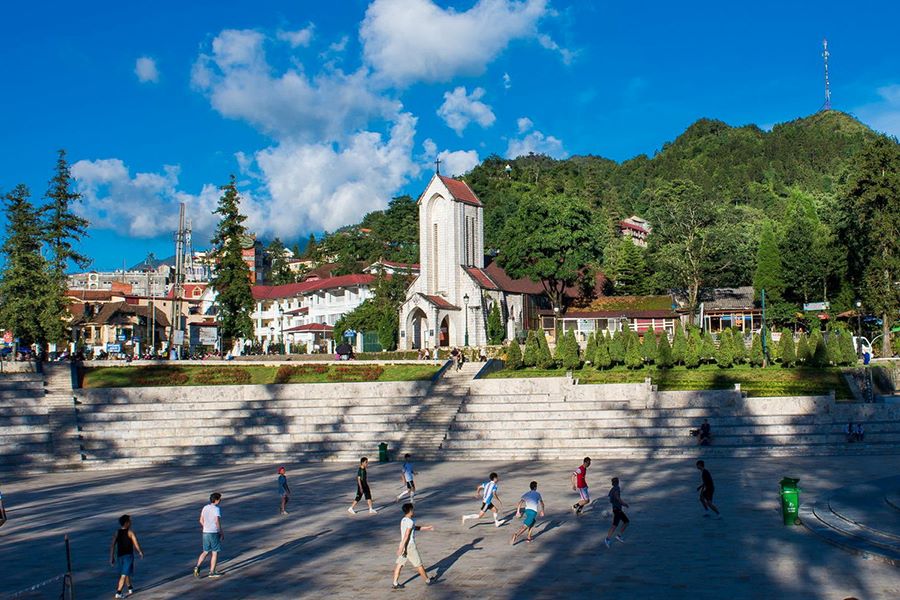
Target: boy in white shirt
407,550
489,491
533,504
408,480
212,535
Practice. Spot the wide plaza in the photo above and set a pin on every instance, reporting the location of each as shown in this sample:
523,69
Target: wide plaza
319,550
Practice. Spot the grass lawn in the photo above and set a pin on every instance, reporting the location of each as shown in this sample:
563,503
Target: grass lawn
174,375
773,381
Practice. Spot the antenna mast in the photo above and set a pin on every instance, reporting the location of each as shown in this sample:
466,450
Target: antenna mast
178,282
825,55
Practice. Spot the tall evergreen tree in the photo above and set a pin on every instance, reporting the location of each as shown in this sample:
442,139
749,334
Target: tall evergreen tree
769,274
232,277
786,350
679,345
311,250
649,347
804,250
63,230
818,349
664,353
279,272
495,329
627,268
26,283
567,352
692,351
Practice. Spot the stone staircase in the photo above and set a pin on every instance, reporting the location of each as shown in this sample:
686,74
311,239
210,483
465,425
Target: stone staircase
548,420
275,423
863,518
24,418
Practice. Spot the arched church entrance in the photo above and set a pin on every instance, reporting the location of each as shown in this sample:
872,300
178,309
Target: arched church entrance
444,334
417,325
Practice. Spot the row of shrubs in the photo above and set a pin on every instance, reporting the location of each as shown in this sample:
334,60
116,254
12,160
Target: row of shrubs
332,372
690,348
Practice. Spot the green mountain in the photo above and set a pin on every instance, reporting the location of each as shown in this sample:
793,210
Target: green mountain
745,166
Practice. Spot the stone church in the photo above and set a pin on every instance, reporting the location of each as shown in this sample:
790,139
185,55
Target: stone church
457,286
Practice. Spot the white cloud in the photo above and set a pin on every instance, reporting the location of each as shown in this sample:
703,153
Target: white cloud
507,81
240,84
144,205
318,186
547,42
537,143
298,38
146,70
524,124
416,40
459,109
458,162
883,115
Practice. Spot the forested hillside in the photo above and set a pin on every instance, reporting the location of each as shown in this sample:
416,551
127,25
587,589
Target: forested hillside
718,186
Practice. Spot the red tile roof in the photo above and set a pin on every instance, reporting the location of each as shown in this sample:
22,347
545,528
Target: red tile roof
440,302
94,295
290,290
525,286
400,265
298,311
310,328
632,226
481,278
460,190
628,313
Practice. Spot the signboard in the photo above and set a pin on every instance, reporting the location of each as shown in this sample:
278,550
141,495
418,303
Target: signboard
114,348
816,306
178,337
207,336
586,324
121,337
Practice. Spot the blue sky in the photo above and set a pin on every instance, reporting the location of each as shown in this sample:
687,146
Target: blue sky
325,110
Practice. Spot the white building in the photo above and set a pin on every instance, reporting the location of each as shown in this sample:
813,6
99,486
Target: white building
449,302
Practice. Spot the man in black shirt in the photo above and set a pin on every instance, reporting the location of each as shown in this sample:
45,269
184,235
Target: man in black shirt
705,436
706,489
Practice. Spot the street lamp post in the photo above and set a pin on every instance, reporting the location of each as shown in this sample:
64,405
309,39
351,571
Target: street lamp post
281,326
466,304
859,328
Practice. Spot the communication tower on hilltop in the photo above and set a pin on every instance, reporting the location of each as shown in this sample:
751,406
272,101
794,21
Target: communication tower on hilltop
825,54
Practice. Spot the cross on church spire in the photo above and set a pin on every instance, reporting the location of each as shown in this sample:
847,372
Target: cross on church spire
437,165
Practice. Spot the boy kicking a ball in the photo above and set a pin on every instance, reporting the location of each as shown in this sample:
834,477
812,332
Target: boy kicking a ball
407,550
579,484
534,506
619,516
489,494
408,479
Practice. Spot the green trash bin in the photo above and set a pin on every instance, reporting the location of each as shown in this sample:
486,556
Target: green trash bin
383,452
790,501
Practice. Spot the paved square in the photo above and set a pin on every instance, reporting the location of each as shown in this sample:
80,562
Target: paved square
321,551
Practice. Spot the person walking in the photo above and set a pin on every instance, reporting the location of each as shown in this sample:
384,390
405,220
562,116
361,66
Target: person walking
533,504
213,534
619,516
408,475
121,556
362,487
407,550
579,484
2,511
707,488
489,492
284,490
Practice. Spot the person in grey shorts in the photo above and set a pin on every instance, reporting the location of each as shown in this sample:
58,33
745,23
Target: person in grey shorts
407,550
210,521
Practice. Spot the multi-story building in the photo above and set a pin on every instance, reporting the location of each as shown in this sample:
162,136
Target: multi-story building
141,283
635,229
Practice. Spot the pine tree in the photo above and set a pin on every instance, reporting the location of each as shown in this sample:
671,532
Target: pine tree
545,360
649,347
232,278
26,282
532,350
818,350
692,351
835,349
603,359
664,353
802,352
279,272
311,252
756,351
590,349
707,348
769,275
633,358
724,353
679,345
738,349
513,356
567,352
786,349
616,348
63,230
495,329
